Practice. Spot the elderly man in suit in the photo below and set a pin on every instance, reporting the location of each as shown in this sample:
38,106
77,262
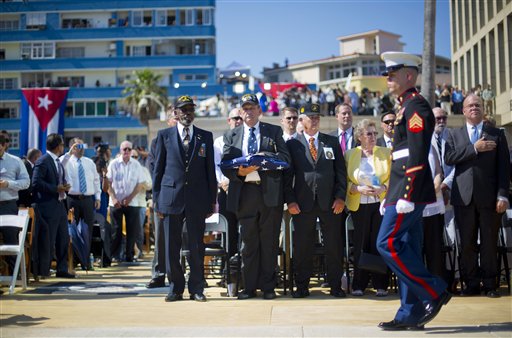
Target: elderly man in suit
256,196
184,189
49,188
315,187
479,194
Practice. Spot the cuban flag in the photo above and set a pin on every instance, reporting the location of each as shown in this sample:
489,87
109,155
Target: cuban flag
42,113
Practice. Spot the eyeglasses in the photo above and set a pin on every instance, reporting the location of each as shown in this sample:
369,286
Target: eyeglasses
388,122
127,149
289,118
370,134
236,118
441,118
135,157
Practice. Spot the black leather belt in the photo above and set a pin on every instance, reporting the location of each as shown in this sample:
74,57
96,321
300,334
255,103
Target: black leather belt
79,197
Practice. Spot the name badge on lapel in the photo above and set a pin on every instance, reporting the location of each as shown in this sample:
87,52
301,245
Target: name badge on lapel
202,150
329,153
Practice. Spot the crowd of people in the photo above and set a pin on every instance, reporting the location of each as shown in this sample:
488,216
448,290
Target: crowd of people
397,190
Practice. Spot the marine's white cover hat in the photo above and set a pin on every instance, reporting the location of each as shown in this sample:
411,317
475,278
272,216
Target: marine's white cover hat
396,60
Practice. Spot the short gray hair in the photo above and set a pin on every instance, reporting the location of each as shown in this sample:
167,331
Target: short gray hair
362,125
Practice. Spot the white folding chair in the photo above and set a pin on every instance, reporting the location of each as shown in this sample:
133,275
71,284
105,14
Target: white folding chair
18,250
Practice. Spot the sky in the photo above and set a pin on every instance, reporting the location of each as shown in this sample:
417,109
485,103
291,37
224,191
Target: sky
258,33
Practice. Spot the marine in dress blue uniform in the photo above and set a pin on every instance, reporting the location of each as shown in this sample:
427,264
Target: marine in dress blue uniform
411,188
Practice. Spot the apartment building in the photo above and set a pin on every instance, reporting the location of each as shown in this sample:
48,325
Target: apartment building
93,47
481,42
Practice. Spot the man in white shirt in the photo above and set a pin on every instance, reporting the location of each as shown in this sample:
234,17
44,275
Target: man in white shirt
84,194
234,120
126,179
289,121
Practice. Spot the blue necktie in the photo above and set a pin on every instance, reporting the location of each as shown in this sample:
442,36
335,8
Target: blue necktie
81,178
474,136
251,144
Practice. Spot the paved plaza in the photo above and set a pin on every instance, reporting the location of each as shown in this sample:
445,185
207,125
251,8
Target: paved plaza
113,302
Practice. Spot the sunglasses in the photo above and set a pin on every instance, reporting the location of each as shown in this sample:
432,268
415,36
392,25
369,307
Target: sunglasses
127,149
370,134
187,109
388,122
441,118
135,157
236,118
289,118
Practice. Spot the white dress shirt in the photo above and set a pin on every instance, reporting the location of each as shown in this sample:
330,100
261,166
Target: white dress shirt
92,178
287,137
124,178
348,137
180,130
218,149
254,176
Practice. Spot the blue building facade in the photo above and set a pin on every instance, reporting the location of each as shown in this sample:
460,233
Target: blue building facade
93,47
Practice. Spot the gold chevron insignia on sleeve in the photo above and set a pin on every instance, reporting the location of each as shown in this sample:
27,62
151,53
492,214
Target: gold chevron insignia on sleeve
414,169
415,124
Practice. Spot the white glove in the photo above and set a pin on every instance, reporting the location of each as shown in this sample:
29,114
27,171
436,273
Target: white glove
404,207
382,208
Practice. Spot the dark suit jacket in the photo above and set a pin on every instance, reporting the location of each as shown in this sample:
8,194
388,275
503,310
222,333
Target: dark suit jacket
381,142
305,177
45,180
271,144
25,196
478,176
178,185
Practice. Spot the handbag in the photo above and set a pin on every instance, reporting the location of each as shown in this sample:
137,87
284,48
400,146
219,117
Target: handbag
372,263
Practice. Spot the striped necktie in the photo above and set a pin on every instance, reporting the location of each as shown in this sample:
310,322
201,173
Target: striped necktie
81,177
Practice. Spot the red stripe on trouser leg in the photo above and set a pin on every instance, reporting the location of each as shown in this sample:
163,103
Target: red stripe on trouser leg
402,266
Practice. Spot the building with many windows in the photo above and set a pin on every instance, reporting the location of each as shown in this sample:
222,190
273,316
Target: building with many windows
93,47
481,41
359,62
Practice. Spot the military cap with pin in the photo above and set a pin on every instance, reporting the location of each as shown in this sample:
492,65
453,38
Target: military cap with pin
398,60
183,101
249,98
310,109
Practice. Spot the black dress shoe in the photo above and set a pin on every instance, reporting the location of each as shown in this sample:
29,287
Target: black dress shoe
395,325
172,297
156,283
198,297
246,295
492,293
269,294
432,308
338,293
300,293
64,274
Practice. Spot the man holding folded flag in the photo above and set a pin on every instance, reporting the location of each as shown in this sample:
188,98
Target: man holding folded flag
256,196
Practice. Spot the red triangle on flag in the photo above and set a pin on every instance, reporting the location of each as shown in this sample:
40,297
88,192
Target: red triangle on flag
45,103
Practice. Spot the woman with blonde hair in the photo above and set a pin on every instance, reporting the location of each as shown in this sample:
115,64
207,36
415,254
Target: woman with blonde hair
368,170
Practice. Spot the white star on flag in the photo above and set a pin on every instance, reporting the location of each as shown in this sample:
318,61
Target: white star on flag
44,102
264,162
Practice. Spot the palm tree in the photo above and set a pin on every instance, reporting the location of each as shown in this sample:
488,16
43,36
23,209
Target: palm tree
143,84
428,68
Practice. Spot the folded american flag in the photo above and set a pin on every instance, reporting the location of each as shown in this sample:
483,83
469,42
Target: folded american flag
264,162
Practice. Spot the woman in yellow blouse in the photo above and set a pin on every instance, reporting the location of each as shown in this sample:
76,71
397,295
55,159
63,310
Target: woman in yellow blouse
368,170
